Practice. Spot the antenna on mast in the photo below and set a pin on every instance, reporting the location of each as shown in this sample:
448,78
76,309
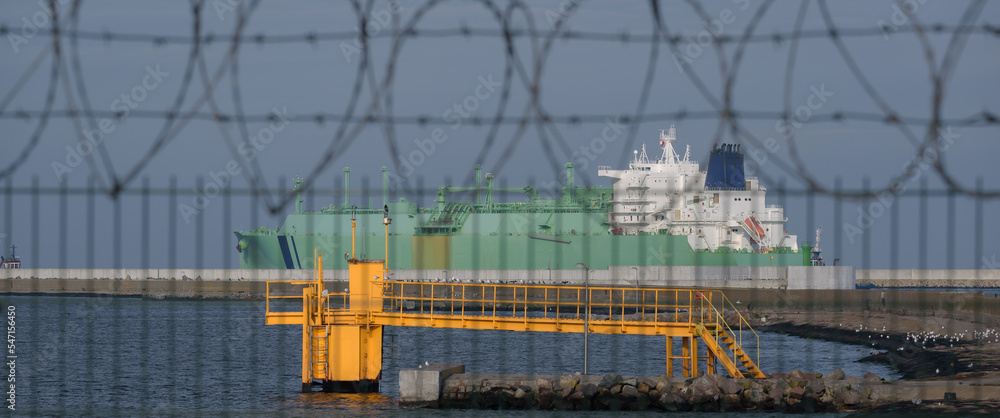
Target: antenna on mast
666,141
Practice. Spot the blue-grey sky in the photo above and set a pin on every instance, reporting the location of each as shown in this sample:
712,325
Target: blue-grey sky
434,74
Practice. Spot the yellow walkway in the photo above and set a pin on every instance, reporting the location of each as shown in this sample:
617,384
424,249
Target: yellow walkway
342,331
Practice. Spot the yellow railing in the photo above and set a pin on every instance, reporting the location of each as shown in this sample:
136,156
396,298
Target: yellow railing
720,325
626,305
612,309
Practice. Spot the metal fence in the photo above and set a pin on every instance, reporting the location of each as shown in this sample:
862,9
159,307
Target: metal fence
104,356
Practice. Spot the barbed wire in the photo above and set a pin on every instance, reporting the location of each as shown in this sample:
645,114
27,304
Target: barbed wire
623,37
201,84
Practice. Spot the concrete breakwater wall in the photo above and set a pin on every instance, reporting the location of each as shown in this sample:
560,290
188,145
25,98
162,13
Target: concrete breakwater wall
970,306
930,278
224,275
125,288
737,277
734,277
792,392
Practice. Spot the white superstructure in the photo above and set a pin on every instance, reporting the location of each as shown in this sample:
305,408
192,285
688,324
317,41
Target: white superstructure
668,196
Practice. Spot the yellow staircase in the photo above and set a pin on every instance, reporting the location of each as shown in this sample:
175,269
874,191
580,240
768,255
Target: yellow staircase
716,336
320,366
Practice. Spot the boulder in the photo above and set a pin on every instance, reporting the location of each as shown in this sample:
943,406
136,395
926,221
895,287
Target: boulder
848,398
616,389
681,387
543,384
630,381
815,386
642,387
704,384
729,386
630,391
662,383
754,397
575,396
865,393
607,381
796,393
797,383
872,377
731,402
781,383
519,393
568,381
506,394
776,395
792,405
565,392
605,397
836,375
589,390
704,390
671,402
797,374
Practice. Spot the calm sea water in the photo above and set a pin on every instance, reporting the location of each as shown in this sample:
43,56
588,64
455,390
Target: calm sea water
129,357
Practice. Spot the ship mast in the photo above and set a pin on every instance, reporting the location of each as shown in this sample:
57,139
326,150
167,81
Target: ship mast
666,142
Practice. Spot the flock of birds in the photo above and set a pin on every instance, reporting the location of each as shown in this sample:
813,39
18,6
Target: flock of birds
933,338
987,336
923,338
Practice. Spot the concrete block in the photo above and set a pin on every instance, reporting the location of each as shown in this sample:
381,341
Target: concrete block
421,386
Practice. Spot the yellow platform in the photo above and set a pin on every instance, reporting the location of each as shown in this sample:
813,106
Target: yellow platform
342,331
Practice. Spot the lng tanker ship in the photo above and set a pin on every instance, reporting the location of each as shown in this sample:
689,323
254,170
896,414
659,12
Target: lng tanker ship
660,211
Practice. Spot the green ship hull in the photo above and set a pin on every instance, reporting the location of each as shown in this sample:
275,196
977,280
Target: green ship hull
533,235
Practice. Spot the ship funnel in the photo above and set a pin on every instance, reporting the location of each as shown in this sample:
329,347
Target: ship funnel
725,168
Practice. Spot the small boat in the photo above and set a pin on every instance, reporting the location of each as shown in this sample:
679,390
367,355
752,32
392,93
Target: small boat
12,262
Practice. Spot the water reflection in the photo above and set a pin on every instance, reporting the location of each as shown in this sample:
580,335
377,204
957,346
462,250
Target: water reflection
355,402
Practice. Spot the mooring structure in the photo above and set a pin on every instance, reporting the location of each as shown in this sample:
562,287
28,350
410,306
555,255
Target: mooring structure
342,331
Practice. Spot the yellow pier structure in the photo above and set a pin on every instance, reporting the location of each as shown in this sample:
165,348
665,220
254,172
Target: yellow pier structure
342,331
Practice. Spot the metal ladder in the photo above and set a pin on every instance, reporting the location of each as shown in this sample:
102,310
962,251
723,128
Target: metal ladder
318,337
711,335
